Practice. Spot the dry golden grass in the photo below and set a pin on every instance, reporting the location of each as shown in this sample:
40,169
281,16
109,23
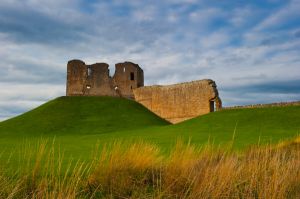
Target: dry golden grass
140,170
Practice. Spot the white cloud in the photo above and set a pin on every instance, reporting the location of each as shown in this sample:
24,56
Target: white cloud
148,13
18,98
206,15
183,1
215,39
242,16
173,41
285,14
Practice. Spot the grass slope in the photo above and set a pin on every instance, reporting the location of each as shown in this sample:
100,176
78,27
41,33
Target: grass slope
78,123
245,126
81,116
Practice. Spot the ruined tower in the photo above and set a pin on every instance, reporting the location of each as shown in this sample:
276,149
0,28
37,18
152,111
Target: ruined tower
128,76
94,80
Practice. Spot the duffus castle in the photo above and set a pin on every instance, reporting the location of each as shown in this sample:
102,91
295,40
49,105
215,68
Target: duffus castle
174,103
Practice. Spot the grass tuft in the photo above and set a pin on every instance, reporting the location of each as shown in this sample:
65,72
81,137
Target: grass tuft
141,170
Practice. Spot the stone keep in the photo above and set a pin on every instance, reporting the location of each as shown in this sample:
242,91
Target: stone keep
94,80
175,103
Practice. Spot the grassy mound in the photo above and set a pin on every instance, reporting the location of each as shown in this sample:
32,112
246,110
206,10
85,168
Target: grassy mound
81,115
79,123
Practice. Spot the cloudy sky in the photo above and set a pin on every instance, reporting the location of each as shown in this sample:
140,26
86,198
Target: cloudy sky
250,48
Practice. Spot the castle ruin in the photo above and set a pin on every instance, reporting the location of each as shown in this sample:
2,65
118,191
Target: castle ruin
94,80
175,103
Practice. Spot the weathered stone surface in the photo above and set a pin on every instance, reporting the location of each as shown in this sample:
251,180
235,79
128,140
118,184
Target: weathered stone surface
94,80
127,77
180,102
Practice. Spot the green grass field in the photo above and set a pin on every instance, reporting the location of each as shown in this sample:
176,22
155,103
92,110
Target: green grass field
78,123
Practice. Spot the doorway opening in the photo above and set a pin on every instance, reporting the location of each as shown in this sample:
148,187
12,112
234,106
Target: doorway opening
212,105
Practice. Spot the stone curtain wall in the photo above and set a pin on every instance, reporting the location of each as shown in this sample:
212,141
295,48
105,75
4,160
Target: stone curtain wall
180,102
280,104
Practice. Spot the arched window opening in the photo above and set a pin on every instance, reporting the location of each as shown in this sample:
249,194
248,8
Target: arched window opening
89,72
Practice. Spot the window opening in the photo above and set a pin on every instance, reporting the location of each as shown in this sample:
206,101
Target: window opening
88,86
131,76
124,70
89,72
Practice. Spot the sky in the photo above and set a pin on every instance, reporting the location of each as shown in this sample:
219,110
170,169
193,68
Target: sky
250,48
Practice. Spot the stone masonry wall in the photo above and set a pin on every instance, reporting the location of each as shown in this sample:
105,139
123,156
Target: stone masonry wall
127,77
76,69
94,80
180,102
278,104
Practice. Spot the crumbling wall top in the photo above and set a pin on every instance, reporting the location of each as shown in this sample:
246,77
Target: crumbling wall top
128,63
76,61
101,64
